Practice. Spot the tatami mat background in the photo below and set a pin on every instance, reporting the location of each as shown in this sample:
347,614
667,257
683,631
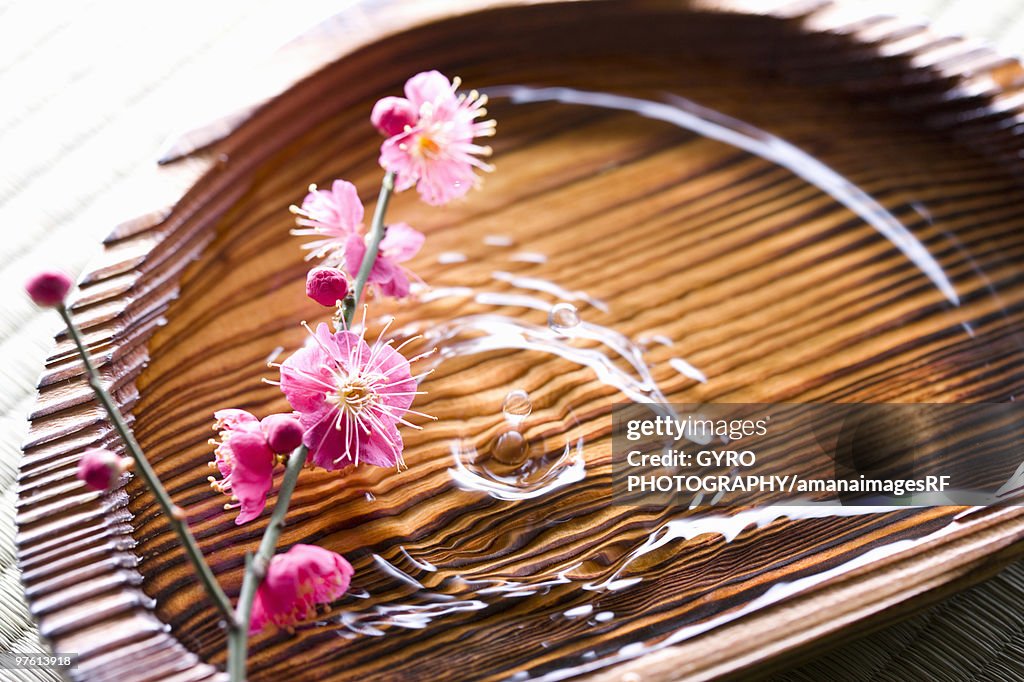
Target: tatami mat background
89,89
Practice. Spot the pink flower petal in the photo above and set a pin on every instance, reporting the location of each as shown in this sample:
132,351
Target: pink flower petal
297,581
428,87
253,473
306,378
394,156
233,418
331,445
329,216
245,462
381,449
397,286
347,204
401,242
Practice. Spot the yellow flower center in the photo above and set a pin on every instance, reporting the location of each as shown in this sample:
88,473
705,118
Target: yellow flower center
426,146
353,394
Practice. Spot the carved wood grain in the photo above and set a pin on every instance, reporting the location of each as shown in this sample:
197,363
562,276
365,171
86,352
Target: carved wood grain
902,112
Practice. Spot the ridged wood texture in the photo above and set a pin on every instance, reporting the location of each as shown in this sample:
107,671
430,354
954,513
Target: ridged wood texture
764,282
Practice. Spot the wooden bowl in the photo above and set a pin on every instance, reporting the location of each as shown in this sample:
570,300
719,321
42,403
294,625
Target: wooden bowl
758,227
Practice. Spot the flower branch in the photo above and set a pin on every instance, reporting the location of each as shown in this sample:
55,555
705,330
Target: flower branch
377,230
175,515
348,396
256,567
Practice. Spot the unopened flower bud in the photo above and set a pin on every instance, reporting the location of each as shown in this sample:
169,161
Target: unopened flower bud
283,432
326,286
391,115
48,288
100,468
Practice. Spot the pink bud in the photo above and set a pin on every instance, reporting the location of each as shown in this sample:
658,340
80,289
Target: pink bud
392,114
100,468
283,432
48,288
326,286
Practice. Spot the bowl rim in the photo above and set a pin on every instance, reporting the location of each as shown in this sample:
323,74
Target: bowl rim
75,547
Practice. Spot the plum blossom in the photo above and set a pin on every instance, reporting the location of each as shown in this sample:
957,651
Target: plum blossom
326,286
296,582
400,243
335,218
350,397
391,115
48,288
435,151
99,468
283,432
245,462
331,216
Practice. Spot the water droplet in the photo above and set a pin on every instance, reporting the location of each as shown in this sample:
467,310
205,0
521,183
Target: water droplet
516,407
578,611
563,316
449,257
370,497
498,240
510,448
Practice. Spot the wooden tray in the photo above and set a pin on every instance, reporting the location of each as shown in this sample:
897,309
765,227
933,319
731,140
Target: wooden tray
774,289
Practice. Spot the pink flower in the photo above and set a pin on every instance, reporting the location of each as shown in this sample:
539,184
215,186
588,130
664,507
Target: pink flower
350,398
400,243
331,216
296,582
48,288
436,152
99,468
326,286
336,217
245,461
